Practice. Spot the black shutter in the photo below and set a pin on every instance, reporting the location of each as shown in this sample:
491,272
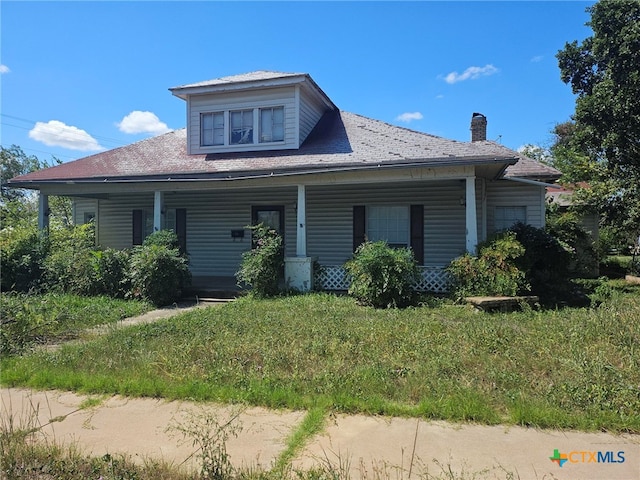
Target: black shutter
137,217
181,228
359,225
417,232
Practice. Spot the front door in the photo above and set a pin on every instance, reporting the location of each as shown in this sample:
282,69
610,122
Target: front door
270,215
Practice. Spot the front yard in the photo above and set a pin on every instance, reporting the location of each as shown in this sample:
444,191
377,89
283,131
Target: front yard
569,368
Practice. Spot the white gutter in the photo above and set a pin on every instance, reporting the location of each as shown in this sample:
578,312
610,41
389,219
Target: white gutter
533,182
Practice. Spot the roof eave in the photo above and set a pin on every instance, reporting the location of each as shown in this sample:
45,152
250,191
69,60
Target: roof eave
247,174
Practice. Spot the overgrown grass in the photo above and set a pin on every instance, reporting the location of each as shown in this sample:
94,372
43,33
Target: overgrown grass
571,368
28,320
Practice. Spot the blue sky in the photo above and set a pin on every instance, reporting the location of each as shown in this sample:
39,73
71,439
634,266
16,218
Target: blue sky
81,77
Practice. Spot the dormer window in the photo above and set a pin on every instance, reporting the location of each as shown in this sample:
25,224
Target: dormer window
241,127
238,127
272,124
212,129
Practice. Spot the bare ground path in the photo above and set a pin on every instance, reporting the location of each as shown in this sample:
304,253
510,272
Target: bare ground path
363,445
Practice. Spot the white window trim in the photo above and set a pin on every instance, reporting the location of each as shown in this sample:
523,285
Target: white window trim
227,145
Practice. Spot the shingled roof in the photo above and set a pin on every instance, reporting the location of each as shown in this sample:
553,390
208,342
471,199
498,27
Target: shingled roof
340,141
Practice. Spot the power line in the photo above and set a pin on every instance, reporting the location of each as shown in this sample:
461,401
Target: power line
42,151
114,141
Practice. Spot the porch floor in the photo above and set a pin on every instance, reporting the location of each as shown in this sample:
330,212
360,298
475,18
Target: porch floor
215,287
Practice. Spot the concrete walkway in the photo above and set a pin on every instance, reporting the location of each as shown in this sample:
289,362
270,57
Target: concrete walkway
366,447
359,446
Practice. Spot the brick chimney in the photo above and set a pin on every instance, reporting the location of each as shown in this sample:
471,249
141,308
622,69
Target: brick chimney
478,127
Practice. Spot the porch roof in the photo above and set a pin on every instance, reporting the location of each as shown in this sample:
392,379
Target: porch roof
340,141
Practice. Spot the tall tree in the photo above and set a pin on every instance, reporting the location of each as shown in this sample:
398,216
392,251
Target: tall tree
19,205
604,72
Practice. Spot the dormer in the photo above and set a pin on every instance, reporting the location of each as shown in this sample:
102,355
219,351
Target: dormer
252,112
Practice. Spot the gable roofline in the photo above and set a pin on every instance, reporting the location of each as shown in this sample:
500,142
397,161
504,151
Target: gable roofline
252,81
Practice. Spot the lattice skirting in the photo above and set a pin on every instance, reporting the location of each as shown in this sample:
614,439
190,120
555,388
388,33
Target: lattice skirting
333,277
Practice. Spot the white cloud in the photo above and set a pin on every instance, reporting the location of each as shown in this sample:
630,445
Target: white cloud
536,59
56,133
409,117
142,122
471,73
4,69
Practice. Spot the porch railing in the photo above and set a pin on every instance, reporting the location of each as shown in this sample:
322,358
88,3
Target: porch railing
334,277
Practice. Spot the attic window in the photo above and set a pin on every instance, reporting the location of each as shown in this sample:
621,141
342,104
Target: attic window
212,129
272,124
241,131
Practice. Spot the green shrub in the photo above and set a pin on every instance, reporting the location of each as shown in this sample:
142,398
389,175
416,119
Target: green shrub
492,272
158,274
165,238
22,253
577,242
545,262
110,269
69,266
262,266
382,276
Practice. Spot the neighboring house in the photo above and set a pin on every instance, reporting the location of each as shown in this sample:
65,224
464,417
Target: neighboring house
272,147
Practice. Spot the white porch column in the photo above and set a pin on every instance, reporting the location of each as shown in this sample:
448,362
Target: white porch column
157,211
298,270
471,214
301,237
43,211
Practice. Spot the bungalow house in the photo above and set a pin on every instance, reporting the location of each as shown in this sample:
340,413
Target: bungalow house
272,147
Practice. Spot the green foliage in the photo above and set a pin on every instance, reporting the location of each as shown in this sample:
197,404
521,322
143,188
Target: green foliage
29,319
14,162
164,238
382,276
23,250
492,272
158,274
262,266
545,262
576,241
604,72
110,272
69,265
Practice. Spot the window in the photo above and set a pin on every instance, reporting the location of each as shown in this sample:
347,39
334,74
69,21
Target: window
506,217
142,225
212,129
272,124
388,223
241,127
89,217
238,127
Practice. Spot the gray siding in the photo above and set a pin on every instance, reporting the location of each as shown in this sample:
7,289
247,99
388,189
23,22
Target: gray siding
330,214
210,218
505,193
82,206
311,111
212,215
237,101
